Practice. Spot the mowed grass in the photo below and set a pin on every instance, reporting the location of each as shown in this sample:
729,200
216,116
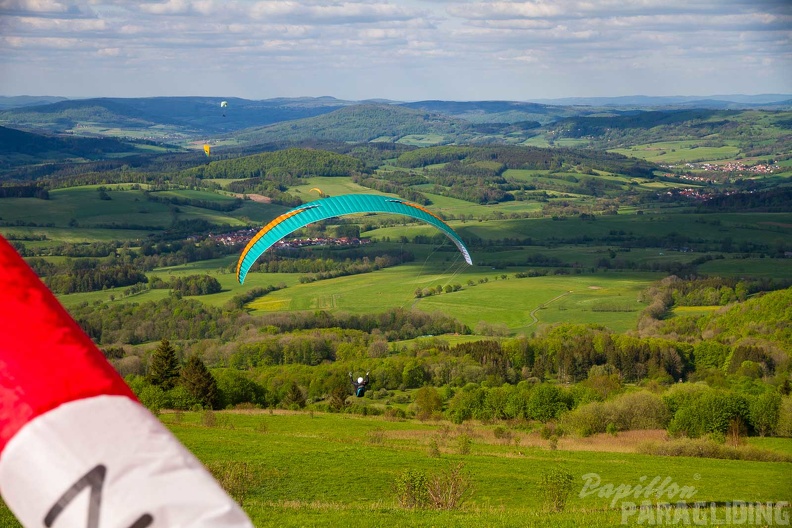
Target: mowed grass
78,214
329,186
609,299
771,268
83,205
679,151
328,470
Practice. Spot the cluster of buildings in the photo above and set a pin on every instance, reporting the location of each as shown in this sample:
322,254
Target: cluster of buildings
243,236
698,194
734,166
692,177
730,167
321,241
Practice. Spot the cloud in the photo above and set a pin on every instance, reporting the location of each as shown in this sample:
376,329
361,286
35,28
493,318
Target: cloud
280,48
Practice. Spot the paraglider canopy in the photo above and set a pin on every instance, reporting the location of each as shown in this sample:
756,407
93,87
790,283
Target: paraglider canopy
338,206
223,104
207,149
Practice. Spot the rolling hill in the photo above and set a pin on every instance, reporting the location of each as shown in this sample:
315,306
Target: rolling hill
189,115
361,123
24,148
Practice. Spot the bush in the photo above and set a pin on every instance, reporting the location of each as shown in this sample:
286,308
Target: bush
683,394
210,418
713,411
466,404
631,411
709,448
449,489
394,414
236,478
410,489
639,410
464,442
784,426
153,398
555,486
546,402
501,433
180,398
587,419
765,411
434,448
427,403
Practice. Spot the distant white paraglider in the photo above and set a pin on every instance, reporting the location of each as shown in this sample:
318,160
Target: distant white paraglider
223,104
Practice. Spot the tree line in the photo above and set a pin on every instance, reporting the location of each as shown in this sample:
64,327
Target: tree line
598,403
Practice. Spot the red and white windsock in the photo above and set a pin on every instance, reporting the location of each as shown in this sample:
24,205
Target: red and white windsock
76,447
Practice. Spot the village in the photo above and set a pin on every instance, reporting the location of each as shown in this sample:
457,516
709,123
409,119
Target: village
243,236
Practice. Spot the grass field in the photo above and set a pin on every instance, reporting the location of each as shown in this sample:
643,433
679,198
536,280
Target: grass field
322,469
316,469
679,151
608,298
519,304
750,267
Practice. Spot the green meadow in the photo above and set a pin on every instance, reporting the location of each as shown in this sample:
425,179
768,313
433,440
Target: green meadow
607,298
679,152
330,186
317,469
335,469
518,304
749,267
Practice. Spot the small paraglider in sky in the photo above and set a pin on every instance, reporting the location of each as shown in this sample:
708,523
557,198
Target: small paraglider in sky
207,150
223,105
318,190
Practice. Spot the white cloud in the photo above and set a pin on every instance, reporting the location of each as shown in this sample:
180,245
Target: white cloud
435,48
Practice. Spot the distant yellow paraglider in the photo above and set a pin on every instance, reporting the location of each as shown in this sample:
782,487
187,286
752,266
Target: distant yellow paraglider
317,189
207,149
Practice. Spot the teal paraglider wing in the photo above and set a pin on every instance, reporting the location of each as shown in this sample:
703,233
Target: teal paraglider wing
337,206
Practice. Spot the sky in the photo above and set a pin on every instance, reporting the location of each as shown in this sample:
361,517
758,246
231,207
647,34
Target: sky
404,50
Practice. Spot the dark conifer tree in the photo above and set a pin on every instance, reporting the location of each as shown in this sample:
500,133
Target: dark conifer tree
294,396
164,366
199,382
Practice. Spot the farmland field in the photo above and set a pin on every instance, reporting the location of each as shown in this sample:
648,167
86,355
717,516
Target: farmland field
608,299
679,151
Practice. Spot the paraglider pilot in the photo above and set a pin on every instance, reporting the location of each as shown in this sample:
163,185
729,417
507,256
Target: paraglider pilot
361,384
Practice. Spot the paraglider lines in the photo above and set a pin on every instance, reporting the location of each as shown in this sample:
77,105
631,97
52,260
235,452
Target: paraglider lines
265,230
338,206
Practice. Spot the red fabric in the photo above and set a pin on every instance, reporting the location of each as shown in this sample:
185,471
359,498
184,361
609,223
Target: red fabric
45,357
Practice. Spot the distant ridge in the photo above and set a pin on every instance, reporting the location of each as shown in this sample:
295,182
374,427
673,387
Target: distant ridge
18,101
711,101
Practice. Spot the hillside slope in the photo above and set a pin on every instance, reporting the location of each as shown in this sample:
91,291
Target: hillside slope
360,123
24,148
192,115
